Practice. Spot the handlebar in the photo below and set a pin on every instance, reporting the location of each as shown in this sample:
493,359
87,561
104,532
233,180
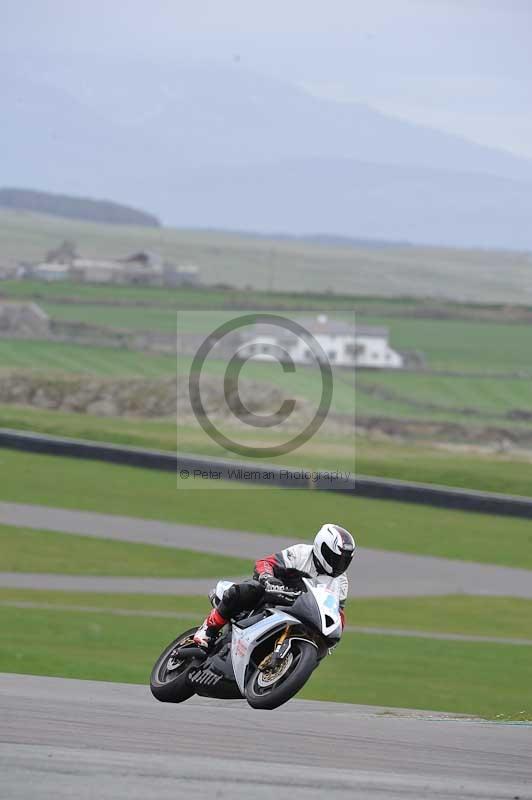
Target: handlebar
284,596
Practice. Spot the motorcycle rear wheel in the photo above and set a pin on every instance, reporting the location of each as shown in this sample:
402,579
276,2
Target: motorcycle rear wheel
304,658
168,680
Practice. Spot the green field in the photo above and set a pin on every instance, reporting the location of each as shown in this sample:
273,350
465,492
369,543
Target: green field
503,617
25,550
489,471
459,345
93,486
463,400
450,344
466,400
58,357
464,396
447,344
208,297
243,261
473,347
123,317
485,352
462,677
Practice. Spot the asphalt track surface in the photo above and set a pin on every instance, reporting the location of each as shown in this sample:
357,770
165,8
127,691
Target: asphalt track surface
375,573
63,738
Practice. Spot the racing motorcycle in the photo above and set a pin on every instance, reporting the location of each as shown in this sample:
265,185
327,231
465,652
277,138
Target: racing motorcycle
265,656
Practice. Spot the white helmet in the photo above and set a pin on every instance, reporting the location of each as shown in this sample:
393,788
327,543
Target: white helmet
334,548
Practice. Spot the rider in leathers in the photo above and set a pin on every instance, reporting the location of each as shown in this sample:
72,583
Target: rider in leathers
325,561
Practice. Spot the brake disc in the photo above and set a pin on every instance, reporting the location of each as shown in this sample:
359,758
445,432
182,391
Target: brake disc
267,677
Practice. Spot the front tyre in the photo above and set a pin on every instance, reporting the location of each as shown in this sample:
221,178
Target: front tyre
270,688
168,680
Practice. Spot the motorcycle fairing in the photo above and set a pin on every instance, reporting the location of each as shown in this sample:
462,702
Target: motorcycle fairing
215,677
244,641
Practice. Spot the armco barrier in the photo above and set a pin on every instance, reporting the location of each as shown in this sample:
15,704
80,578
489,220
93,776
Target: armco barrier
361,485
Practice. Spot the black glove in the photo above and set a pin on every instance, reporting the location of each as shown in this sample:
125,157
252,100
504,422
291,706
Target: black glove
273,585
270,582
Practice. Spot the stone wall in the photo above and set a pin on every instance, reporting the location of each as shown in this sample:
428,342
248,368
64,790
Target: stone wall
138,397
24,320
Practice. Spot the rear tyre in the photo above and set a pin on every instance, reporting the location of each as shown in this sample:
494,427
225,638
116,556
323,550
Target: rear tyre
168,680
269,689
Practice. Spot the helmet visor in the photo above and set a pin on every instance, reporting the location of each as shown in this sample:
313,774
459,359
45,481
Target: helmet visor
338,562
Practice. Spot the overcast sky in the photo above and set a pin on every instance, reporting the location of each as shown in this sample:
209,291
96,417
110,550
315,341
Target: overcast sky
463,66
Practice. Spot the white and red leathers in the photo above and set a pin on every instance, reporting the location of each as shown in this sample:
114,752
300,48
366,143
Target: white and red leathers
286,565
299,558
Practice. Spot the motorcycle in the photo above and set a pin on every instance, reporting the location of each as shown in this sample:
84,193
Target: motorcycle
264,656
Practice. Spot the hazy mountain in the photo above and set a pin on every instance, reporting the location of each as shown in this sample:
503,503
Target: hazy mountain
370,200
215,146
85,208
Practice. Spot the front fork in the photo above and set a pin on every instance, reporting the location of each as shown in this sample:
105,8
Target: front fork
282,646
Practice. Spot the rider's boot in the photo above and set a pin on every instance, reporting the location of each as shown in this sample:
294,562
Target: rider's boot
206,634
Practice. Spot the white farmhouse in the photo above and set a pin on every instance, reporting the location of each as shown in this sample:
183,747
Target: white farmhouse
343,344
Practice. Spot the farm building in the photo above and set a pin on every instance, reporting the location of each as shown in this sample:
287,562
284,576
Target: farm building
343,344
184,275
50,271
97,270
144,267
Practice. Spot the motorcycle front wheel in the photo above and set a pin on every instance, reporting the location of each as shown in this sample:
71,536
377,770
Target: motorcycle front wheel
168,680
270,688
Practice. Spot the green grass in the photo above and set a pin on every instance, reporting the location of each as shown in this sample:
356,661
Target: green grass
470,401
135,602
75,358
496,472
446,344
460,677
410,528
408,672
487,400
205,297
141,318
25,550
154,433
503,617
127,317
451,344
468,398
460,345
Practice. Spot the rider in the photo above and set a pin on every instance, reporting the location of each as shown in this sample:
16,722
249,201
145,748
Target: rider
325,561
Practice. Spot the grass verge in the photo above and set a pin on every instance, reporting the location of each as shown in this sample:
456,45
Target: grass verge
93,486
504,617
28,550
496,472
461,677
471,678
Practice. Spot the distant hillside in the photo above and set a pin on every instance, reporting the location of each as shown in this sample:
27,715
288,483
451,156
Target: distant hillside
62,205
284,264
348,199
